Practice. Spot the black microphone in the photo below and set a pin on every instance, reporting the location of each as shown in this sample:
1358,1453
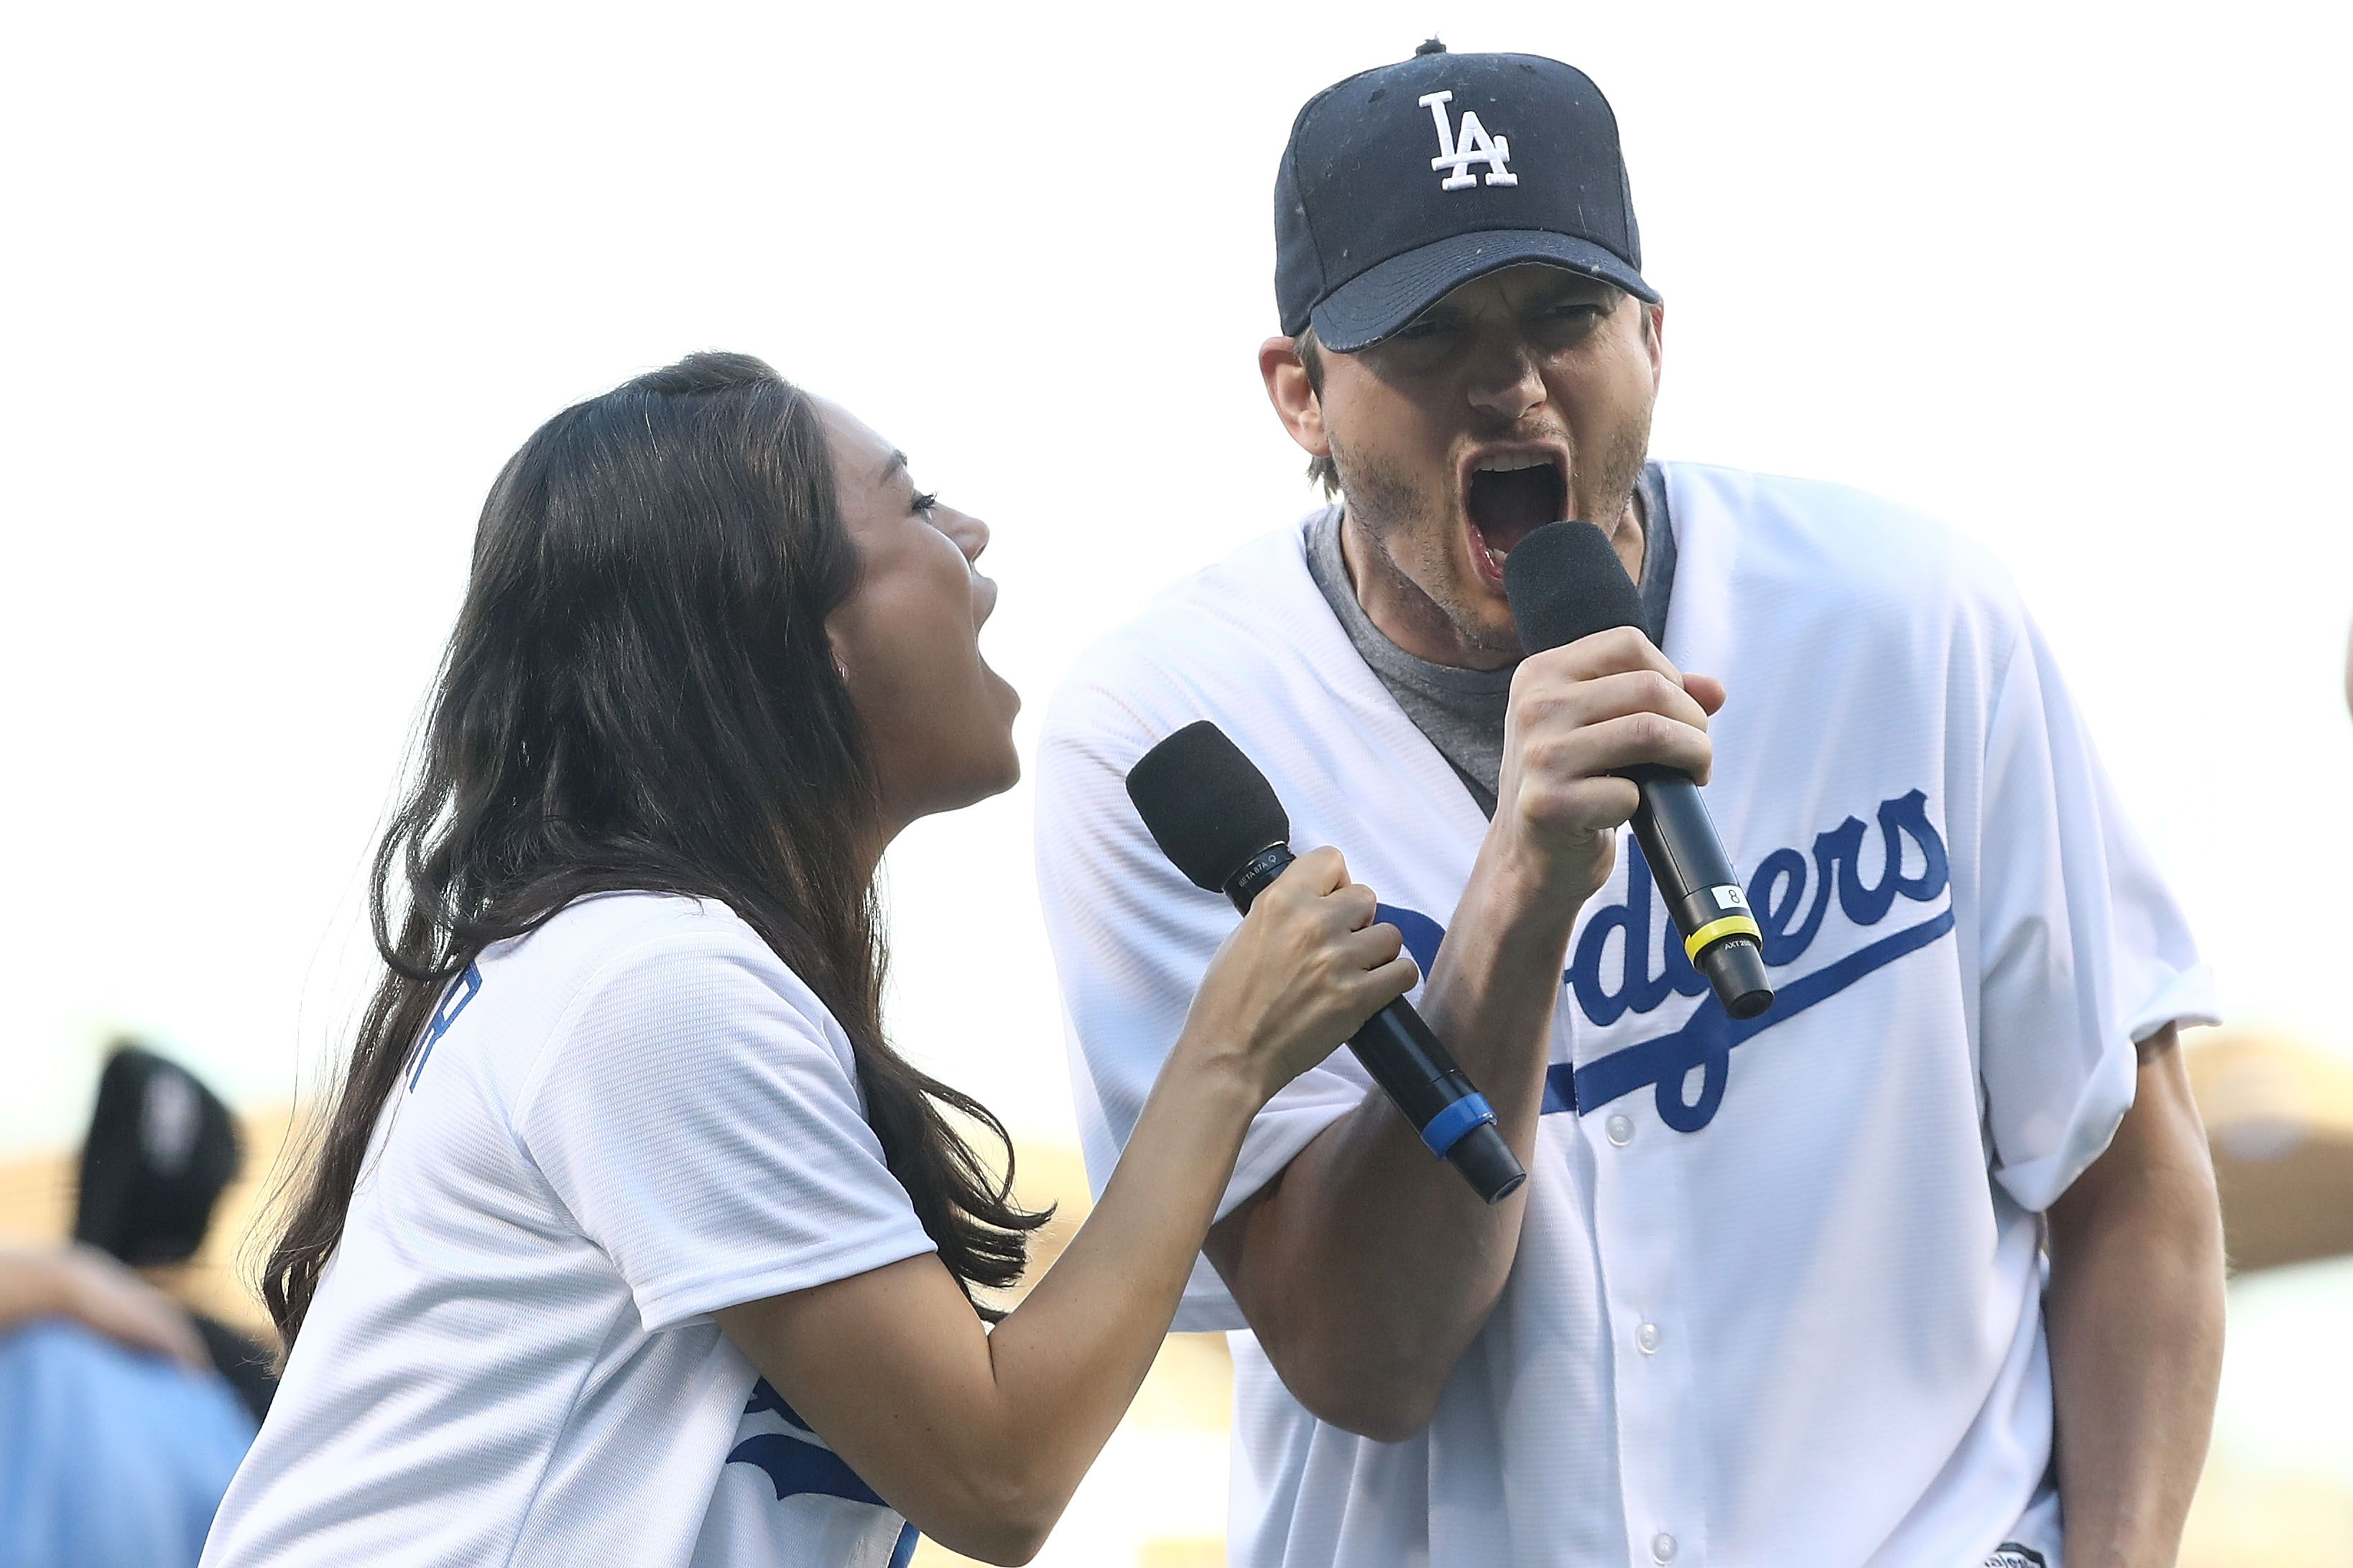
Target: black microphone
1212,812
1564,583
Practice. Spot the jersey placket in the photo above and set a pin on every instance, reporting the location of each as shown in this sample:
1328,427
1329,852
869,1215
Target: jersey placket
1638,1200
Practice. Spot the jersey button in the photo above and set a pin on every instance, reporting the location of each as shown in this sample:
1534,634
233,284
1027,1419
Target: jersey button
1647,1338
1621,1129
1663,1548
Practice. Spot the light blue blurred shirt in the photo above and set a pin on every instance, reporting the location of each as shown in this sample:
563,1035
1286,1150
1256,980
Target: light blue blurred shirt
108,1459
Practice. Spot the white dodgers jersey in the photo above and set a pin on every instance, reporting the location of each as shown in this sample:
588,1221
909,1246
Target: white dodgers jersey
613,1127
1778,1291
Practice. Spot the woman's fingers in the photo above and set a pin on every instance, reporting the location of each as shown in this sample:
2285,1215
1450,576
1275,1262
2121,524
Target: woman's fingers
1316,874
1370,947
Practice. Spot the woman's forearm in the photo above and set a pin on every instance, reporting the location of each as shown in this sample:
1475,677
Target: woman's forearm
1068,1360
979,1438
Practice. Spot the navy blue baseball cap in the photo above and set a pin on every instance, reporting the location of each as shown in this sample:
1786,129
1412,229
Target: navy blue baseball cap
1407,181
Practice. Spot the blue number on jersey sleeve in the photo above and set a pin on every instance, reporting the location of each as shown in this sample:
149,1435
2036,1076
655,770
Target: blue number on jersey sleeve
461,990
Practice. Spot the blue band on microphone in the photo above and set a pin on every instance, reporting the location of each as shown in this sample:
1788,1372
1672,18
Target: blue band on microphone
1446,1129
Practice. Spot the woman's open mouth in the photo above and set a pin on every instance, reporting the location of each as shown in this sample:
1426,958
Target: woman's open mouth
1506,496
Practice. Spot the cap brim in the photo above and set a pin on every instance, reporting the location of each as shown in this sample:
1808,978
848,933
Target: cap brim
1379,300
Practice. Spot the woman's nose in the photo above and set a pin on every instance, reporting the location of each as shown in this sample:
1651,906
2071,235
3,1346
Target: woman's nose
971,534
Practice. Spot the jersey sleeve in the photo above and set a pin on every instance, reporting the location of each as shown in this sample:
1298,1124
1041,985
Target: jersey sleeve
2083,950
1132,939
691,1115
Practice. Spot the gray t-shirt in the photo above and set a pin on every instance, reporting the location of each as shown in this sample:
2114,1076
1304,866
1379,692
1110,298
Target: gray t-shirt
1461,710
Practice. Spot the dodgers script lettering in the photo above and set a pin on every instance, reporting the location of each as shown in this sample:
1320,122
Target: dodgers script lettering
1628,960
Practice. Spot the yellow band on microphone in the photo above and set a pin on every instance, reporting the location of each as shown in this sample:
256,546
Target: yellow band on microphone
1714,931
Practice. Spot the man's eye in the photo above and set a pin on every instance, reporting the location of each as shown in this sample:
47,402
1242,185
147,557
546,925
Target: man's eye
923,501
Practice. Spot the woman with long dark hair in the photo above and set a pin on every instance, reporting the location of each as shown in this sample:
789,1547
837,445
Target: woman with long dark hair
628,1237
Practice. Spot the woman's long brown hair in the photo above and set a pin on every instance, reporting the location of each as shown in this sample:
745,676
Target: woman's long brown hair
640,695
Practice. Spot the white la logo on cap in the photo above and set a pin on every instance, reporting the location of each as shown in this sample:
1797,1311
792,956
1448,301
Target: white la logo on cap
1475,146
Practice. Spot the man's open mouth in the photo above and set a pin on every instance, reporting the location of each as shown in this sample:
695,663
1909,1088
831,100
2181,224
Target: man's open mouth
1507,496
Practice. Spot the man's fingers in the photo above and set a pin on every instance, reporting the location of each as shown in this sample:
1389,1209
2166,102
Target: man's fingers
1609,696
1611,652
1623,651
1579,805
1611,744
1636,739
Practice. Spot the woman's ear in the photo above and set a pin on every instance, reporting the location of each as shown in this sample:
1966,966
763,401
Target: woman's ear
1294,399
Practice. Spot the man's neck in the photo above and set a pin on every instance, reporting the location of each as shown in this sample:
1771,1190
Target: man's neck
1409,617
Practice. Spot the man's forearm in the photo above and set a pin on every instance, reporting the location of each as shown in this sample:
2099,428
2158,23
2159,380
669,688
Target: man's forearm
2135,1318
1368,1267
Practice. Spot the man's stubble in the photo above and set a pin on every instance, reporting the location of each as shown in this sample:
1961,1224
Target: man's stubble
1410,538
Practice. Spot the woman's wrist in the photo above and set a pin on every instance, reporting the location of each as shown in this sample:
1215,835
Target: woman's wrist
1217,1077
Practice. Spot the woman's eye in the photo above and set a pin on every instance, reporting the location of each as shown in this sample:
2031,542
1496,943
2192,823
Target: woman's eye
923,501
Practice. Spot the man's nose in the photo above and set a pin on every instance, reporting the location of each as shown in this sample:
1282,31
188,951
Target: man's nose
1505,384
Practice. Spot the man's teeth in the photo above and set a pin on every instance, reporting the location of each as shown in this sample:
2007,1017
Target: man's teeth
1511,464
1497,556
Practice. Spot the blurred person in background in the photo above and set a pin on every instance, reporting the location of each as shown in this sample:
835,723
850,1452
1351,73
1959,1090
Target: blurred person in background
1921,1266
630,1238
117,1436
123,1409
160,1149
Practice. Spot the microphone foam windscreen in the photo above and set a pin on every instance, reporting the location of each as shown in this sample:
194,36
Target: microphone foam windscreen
1565,582
1209,807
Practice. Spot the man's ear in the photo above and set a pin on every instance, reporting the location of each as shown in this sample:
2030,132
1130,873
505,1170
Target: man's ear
1295,403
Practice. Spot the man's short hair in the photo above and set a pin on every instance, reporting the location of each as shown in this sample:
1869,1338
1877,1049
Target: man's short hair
1321,470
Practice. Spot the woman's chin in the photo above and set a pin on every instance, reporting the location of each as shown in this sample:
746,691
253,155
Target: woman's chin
1009,770
984,780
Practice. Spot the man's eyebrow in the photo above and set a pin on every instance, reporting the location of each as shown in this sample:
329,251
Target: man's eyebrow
1571,283
896,463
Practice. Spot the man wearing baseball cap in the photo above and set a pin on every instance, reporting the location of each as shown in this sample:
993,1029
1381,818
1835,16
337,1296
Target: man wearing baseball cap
1921,1266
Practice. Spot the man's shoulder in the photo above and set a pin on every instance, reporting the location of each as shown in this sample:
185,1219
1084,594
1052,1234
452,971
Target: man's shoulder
1827,544
1235,626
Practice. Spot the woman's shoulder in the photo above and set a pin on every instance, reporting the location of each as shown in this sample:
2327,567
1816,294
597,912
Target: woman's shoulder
608,924
630,948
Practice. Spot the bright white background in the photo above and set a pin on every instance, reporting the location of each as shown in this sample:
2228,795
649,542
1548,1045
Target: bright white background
284,286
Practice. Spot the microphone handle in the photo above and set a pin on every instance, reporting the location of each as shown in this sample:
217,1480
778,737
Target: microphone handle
1695,881
1456,1124
1414,1068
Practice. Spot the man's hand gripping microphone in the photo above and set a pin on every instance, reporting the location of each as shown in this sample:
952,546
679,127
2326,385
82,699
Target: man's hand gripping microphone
1566,582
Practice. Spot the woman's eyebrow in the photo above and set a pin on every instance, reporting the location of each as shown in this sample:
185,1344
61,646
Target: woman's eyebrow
896,463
